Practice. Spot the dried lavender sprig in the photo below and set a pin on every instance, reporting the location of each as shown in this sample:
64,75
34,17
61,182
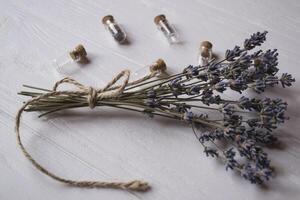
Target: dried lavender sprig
244,124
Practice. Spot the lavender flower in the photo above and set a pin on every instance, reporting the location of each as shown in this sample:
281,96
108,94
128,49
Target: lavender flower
232,120
244,61
227,109
210,152
203,76
245,103
230,55
263,137
151,100
191,71
151,94
220,87
218,134
260,86
270,61
245,146
271,80
175,86
175,83
238,85
207,96
286,80
195,89
181,108
206,136
256,39
188,116
151,103
255,174
231,162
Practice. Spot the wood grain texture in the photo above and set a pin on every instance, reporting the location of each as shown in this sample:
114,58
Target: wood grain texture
106,144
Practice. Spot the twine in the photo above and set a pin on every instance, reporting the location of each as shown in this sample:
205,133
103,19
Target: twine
92,95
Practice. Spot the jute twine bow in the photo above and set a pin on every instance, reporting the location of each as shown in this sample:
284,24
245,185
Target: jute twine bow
92,95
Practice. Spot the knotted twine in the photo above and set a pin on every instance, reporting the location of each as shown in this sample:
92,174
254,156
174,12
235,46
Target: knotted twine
92,96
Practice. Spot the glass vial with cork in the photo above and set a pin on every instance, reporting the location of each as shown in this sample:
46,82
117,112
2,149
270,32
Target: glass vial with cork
205,53
158,66
65,62
115,29
166,28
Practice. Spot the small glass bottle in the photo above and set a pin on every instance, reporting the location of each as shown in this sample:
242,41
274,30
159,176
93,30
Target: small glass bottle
114,28
159,66
168,30
205,53
64,63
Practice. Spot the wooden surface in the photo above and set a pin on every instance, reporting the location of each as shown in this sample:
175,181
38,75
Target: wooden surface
105,144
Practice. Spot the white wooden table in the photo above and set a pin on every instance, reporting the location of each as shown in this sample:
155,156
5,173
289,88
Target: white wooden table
105,144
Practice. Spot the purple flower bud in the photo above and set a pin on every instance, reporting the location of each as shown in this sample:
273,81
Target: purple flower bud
210,152
255,39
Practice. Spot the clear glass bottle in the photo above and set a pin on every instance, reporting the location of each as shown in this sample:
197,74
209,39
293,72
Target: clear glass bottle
205,53
65,63
115,29
168,29
159,66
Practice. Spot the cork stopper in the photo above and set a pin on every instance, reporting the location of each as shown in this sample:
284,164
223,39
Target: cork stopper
206,44
159,65
78,53
107,18
206,48
158,18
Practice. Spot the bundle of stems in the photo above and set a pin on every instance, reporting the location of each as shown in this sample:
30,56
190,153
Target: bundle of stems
233,130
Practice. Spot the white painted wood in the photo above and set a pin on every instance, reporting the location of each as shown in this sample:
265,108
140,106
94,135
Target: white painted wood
106,144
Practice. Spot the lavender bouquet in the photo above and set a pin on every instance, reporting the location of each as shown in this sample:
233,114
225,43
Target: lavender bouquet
232,130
